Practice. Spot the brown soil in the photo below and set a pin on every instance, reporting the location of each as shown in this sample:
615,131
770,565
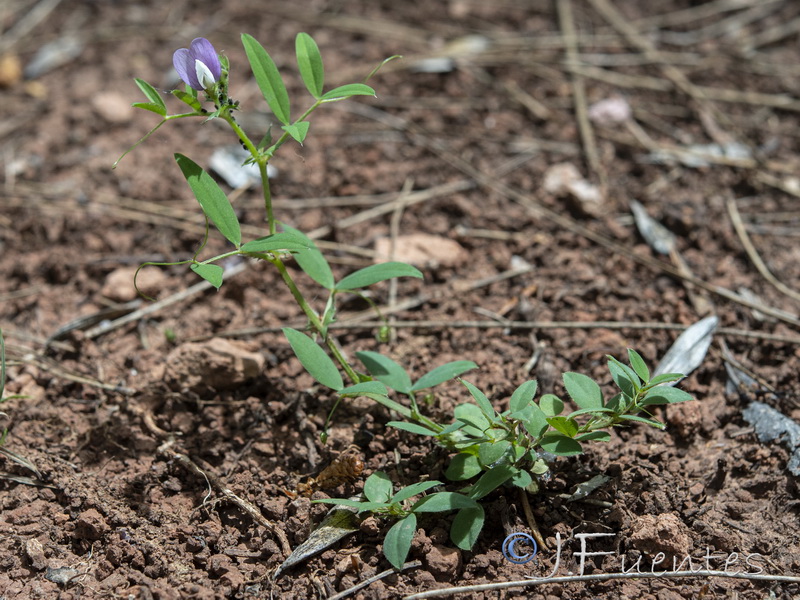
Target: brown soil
114,505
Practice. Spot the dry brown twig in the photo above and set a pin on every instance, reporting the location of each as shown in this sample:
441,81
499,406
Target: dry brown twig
526,508
726,26
345,323
537,209
383,574
214,482
394,233
579,90
708,10
782,101
404,199
753,254
522,583
772,35
610,13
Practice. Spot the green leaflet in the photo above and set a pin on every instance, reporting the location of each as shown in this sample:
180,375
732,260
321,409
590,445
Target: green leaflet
375,273
212,199
211,273
268,78
309,62
314,359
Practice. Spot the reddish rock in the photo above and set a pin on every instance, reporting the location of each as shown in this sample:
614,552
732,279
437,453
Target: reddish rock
665,533
90,525
216,363
443,561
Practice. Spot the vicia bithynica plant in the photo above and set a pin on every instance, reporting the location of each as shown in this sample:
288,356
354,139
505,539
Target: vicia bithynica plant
490,448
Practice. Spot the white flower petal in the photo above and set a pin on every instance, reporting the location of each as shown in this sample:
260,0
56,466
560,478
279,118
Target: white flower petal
204,75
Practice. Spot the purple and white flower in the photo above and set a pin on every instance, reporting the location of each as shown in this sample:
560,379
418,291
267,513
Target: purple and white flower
198,65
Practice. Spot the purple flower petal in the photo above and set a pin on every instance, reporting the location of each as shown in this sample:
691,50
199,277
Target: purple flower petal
194,64
183,61
203,51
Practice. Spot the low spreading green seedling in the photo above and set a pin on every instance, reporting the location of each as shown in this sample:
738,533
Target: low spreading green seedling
380,500
505,448
493,448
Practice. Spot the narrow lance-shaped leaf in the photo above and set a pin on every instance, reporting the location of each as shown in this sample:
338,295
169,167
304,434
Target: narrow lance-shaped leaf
664,394
268,78
443,501
309,62
312,261
385,370
363,388
664,378
346,91
212,199
375,273
600,436
626,378
150,92
638,364
188,98
314,359
414,489
411,428
443,373
491,480
639,419
595,412
285,240
156,103
154,108
479,397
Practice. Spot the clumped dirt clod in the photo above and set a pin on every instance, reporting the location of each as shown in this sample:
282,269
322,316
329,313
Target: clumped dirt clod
541,284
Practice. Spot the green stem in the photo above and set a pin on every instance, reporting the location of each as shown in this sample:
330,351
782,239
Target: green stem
314,319
152,131
251,147
285,135
262,168
261,161
427,422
